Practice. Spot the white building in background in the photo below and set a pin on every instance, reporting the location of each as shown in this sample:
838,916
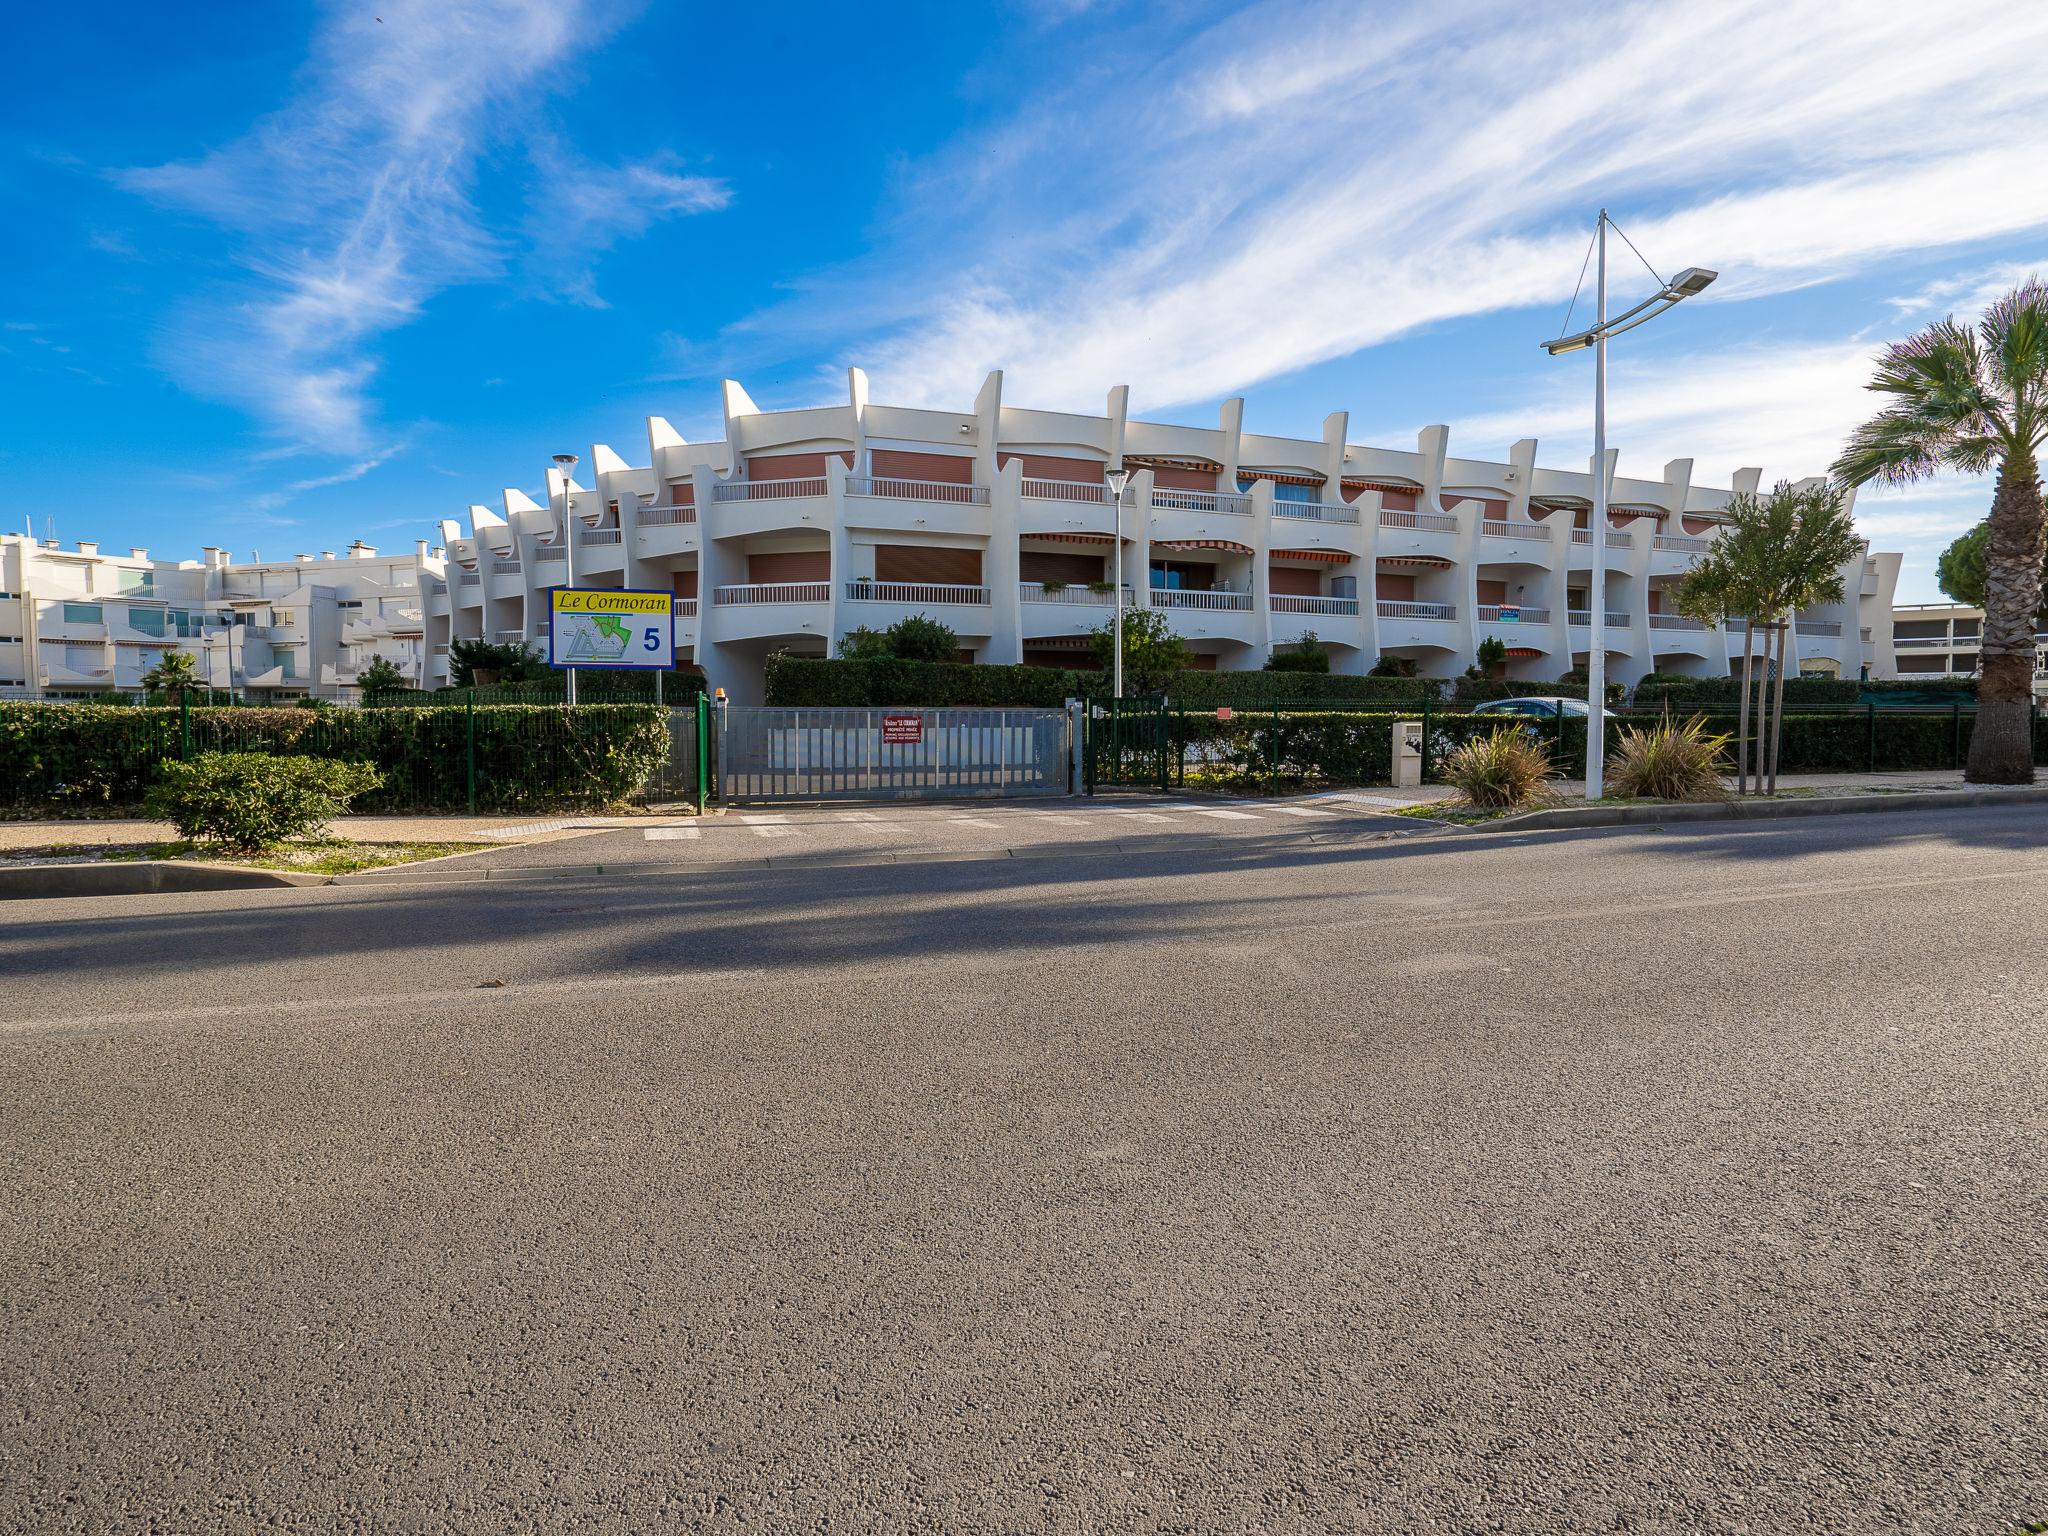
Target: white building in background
1946,640
74,623
802,525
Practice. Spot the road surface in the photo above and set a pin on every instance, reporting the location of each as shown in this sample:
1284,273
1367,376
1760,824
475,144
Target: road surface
1643,1181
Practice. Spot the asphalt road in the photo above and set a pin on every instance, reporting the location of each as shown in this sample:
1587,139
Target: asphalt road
1595,1182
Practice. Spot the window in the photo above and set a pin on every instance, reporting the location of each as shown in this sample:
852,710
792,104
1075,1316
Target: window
148,621
289,662
83,613
1282,491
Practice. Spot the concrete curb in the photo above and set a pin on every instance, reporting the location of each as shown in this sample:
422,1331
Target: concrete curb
141,877
1758,810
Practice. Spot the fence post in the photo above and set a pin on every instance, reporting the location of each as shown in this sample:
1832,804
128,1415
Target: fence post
703,751
1870,711
1423,778
1955,740
184,727
1165,730
1273,754
469,723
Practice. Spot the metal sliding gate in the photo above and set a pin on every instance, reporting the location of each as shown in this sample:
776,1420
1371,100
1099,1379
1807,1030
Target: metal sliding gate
867,754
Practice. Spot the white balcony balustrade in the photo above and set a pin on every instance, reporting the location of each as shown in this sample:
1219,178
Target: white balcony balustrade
1682,543
1391,609
1281,602
1080,596
1316,511
769,490
945,491
1442,522
600,536
655,517
1230,503
470,579
1819,626
550,556
772,592
1582,618
1069,490
1495,528
1180,597
1674,621
503,567
914,592
1616,538
1510,613
686,608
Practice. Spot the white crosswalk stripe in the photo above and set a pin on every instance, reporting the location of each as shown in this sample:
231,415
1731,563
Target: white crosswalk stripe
1230,815
671,834
1143,815
770,829
969,821
765,821
1298,810
858,816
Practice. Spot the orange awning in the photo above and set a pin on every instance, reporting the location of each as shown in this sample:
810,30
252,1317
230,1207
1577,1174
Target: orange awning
1186,544
1073,538
1425,562
1327,556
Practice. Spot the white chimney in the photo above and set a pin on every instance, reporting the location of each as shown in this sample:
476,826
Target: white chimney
419,549
302,559
360,550
326,554
88,547
138,554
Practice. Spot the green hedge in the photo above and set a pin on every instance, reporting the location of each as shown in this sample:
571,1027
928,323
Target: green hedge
811,682
593,686
528,758
1652,691
1476,690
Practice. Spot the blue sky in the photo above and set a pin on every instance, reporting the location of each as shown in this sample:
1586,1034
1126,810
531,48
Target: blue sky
282,277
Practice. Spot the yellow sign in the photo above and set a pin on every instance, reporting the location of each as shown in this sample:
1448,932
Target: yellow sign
595,627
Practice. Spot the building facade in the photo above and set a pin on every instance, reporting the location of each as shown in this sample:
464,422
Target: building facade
802,525
1943,640
75,623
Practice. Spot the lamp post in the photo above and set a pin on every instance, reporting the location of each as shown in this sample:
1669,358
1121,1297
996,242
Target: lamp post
1116,479
566,462
1689,282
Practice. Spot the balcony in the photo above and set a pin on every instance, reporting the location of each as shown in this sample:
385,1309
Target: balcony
1070,490
768,490
1180,597
550,556
1510,613
1440,522
1674,621
598,537
658,517
1317,511
1823,627
945,492
1616,538
1390,609
686,608
914,592
469,579
1582,618
772,592
1229,503
503,567
1494,528
1934,643
1286,603
1682,543
1082,596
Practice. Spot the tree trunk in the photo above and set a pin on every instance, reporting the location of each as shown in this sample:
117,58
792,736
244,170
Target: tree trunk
2001,746
1778,703
1742,730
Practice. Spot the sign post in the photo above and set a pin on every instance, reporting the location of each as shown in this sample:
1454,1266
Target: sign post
618,629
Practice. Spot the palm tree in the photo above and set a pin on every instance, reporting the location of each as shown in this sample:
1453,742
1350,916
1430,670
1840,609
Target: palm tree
175,673
1971,400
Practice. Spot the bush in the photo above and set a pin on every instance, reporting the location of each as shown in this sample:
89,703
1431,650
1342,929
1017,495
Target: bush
1309,655
251,800
1660,688
528,758
487,661
809,682
1504,769
1476,690
1668,761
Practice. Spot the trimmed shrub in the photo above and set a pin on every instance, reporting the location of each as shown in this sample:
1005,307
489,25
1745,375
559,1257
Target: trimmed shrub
1502,770
813,683
1669,761
250,800
1659,688
1477,690
528,757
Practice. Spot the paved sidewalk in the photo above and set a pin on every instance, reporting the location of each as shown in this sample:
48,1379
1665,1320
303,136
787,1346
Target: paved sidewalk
360,829
1799,783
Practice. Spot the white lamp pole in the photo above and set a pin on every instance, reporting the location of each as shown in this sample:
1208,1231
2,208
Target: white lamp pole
566,462
1116,479
1689,282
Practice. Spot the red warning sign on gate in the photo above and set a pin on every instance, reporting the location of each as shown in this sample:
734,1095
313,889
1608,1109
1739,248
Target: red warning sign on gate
902,730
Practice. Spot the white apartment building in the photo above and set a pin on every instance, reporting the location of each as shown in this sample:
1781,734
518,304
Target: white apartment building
802,525
75,623
1944,640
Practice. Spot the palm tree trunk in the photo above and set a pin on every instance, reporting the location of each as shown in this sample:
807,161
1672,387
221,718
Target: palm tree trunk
2001,746
1742,730
1778,703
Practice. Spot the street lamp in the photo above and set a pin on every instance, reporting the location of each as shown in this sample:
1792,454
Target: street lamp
566,462
1116,479
1691,281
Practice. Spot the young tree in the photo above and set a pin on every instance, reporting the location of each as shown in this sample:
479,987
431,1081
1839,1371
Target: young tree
918,638
480,663
176,673
1975,400
380,676
1152,651
1308,655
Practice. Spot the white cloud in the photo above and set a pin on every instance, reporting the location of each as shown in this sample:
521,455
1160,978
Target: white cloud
1305,180
586,209
353,202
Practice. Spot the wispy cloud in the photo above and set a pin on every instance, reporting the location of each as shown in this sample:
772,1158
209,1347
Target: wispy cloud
1303,180
271,500
353,204
586,209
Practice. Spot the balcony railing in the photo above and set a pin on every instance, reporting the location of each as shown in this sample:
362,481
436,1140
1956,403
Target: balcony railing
1819,626
1390,609
1684,543
914,592
772,592
686,608
1582,618
1180,597
1069,490
1441,521
1674,621
1935,643
1495,528
1081,595
1616,538
601,536
1231,503
1511,613
768,490
502,567
651,517
1281,602
550,556
470,579
918,490
1317,511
